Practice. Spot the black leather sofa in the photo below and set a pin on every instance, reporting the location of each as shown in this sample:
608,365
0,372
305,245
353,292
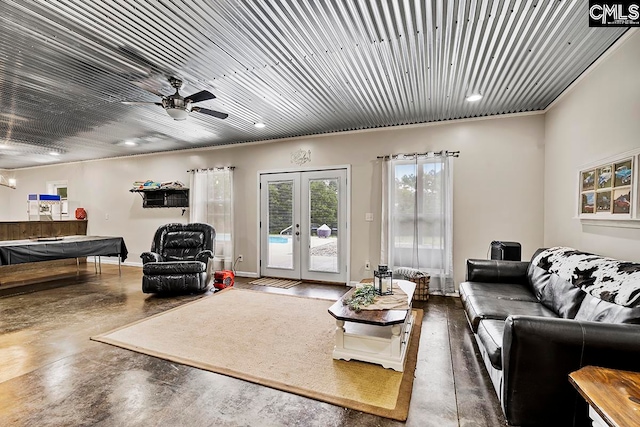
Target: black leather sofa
179,259
536,322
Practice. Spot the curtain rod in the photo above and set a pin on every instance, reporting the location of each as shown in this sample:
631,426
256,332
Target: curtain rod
435,153
212,169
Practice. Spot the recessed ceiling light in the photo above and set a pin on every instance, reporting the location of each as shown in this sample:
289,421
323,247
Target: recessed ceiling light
259,125
53,153
130,143
475,97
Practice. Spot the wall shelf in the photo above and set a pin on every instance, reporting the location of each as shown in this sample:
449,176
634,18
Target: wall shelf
163,197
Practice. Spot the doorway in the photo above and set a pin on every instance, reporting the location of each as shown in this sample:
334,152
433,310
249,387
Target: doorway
303,225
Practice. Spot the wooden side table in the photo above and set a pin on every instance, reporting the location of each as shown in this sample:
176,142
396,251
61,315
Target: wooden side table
613,396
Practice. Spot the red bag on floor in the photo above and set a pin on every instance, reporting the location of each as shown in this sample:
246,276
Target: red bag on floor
81,213
223,279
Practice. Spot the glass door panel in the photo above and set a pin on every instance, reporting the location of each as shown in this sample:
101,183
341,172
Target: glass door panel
324,224
323,217
279,225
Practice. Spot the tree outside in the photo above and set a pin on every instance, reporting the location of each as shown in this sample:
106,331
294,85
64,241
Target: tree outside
425,206
323,203
280,206
323,200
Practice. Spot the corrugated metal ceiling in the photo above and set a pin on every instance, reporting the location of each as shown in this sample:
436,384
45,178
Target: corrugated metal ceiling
301,67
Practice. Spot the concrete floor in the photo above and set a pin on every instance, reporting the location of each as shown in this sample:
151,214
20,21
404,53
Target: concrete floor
51,374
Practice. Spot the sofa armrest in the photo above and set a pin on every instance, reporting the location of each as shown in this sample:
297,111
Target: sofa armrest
494,271
150,257
538,354
204,256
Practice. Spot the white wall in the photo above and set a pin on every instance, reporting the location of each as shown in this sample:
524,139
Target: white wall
599,118
5,193
498,188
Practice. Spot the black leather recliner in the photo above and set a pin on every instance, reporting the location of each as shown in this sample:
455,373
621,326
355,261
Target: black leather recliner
179,261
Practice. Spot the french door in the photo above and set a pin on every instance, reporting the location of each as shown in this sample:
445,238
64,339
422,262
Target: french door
303,225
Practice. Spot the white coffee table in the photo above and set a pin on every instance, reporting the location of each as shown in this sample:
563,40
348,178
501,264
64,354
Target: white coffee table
375,336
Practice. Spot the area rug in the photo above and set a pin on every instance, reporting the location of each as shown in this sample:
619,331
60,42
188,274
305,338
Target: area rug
275,283
280,341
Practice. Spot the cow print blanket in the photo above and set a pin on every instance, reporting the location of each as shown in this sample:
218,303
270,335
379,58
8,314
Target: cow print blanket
609,279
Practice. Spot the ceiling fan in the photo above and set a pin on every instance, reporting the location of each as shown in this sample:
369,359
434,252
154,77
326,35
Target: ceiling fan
179,107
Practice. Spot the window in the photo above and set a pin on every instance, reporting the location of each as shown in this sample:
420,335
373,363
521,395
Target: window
59,188
211,202
417,230
417,214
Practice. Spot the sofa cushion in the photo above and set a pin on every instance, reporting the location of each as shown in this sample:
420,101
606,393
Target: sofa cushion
177,267
184,239
490,335
177,254
174,283
595,310
609,279
481,307
512,291
555,293
496,271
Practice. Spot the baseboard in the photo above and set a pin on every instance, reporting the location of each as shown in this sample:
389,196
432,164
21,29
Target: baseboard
114,260
247,274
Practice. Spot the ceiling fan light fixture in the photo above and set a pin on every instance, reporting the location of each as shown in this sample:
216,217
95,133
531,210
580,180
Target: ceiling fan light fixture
474,97
259,125
179,107
177,113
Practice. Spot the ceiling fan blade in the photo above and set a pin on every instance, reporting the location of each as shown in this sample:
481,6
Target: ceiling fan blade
200,96
140,103
213,113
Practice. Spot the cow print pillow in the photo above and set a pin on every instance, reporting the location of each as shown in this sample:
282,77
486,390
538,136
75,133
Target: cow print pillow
605,278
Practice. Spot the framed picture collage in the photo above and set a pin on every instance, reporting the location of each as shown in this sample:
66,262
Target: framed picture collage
606,190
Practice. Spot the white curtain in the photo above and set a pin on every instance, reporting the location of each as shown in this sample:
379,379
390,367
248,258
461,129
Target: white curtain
417,216
211,194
